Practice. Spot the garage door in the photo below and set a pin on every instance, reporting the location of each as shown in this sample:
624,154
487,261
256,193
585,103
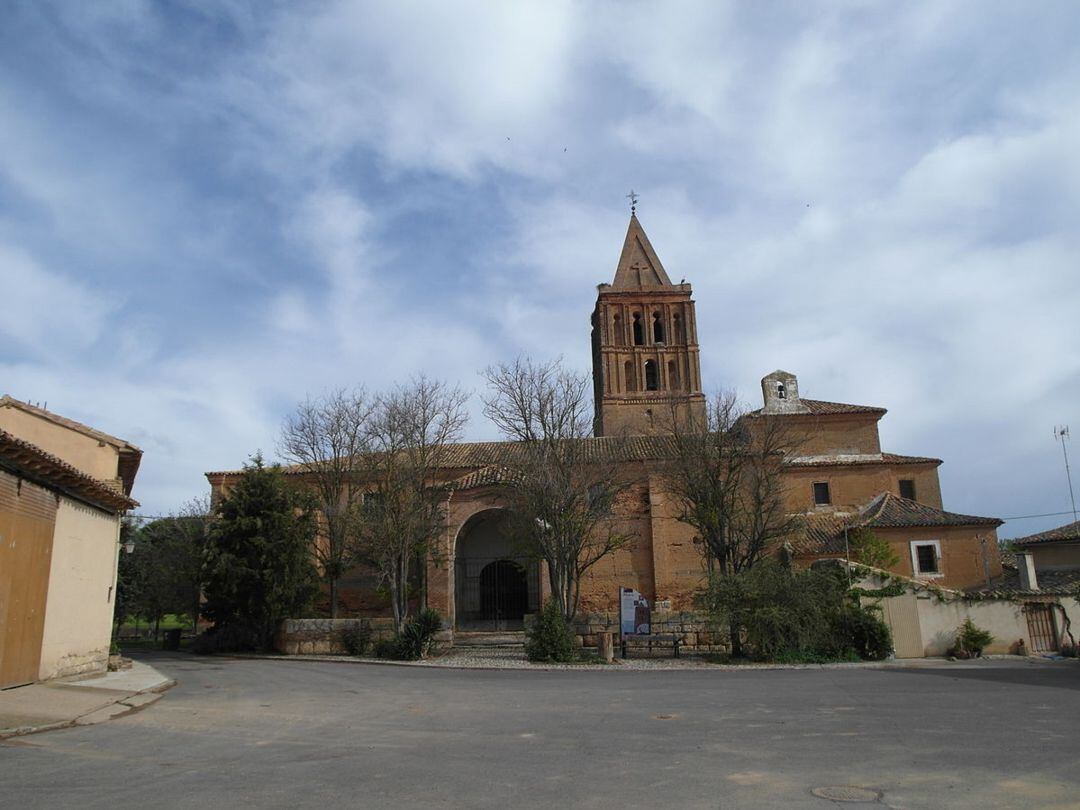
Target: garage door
27,521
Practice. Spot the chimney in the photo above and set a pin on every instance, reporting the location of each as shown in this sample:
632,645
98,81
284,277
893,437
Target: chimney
1025,567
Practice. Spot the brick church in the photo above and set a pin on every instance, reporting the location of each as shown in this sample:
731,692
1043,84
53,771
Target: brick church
646,363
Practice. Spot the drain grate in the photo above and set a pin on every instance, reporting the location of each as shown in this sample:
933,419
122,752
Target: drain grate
847,793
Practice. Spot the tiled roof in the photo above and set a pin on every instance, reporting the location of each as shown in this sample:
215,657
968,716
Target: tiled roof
823,532
892,511
607,449
819,407
1064,582
130,455
484,477
823,408
892,459
35,464
601,449
1070,532
10,402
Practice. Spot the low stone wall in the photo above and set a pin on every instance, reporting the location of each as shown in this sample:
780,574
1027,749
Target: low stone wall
697,632
323,636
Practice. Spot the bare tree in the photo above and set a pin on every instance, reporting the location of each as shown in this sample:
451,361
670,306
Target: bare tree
562,498
726,473
324,437
403,513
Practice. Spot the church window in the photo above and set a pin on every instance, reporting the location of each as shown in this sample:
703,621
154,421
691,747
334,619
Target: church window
657,328
628,370
781,390
639,330
651,381
680,336
822,496
907,488
672,375
616,327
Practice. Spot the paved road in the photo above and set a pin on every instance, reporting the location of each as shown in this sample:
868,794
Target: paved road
247,733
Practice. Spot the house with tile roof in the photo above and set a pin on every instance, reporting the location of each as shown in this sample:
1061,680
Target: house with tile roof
64,488
646,369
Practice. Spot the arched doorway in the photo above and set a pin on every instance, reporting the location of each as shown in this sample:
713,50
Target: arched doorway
495,585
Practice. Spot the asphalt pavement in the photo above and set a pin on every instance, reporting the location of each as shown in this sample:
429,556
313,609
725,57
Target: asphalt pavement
256,733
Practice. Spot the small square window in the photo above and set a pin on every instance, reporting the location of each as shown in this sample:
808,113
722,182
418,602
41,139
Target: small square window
821,493
907,488
926,557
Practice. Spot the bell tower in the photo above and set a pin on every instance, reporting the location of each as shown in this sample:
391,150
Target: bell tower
645,352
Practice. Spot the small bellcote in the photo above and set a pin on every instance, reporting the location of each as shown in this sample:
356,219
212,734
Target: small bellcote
639,267
780,390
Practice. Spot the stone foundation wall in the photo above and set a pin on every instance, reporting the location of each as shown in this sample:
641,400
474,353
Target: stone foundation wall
697,632
323,636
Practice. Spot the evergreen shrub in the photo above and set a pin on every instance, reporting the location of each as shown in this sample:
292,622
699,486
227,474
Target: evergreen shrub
415,639
788,615
356,638
971,640
551,638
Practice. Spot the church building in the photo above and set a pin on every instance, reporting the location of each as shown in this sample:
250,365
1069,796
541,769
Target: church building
646,365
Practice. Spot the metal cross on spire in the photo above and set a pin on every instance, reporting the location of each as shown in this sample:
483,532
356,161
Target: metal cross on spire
633,198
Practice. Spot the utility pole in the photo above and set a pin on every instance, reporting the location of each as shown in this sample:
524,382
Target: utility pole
1061,433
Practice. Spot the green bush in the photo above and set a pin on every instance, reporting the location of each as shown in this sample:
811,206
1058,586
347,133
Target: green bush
417,636
551,638
783,614
971,639
415,639
865,633
386,648
356,638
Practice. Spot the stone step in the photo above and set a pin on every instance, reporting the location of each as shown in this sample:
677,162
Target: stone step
489,639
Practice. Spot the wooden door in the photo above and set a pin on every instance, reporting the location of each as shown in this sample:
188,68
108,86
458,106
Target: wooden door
1040,621
27,522
901,613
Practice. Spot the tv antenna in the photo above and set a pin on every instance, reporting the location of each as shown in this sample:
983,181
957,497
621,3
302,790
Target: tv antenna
1061,433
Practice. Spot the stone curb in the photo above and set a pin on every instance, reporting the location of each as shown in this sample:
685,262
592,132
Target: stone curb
905,663
131,703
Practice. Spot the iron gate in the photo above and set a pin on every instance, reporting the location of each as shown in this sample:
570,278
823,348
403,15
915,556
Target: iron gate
495,593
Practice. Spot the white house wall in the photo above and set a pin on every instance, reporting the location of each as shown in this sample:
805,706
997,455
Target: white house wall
82,585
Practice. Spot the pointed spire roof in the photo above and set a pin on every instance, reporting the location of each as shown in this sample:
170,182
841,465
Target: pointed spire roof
639,265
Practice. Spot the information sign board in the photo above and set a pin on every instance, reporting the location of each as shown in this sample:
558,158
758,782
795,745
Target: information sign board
635,618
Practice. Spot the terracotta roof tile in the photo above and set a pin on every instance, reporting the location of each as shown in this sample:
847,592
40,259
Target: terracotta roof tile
1064,582
484,477
130,455
474,455
29,460
892,511
823,533
1070,532
820,407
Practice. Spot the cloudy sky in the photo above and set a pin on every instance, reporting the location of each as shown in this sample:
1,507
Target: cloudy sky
210,210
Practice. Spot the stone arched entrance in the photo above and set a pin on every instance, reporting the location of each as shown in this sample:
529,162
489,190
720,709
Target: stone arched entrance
495,586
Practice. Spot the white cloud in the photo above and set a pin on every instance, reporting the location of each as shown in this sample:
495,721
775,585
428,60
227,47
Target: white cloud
45,313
